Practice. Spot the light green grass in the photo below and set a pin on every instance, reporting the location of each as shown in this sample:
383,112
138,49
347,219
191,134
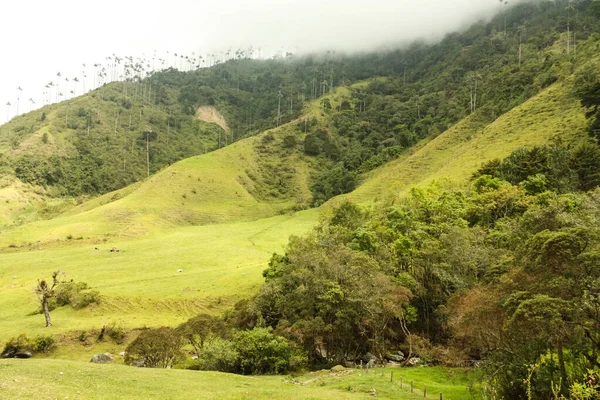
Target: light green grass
53,379
219,187
140,284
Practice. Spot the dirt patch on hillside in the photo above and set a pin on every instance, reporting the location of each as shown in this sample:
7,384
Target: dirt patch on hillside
211,114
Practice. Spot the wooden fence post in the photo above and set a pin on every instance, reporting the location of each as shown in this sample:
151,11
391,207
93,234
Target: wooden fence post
401,383
392,377
441,396
411,387
425,391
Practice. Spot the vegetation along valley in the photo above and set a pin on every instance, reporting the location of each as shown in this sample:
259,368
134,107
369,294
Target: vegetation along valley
329,200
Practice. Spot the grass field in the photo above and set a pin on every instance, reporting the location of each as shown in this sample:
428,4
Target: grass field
140,284
58,379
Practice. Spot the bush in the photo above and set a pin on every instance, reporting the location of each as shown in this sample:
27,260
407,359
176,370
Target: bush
77,294
114,331
43,344
218,355
21,343
155,348
261,352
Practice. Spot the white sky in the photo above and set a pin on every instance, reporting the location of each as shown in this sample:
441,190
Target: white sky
39,38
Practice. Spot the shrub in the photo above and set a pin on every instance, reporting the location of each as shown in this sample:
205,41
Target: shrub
155,348
261,352
84,299
43,343
114,331
21,343
202,329
218,355
16,345
77,294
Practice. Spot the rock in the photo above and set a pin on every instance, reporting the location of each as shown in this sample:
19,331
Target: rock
23,354
415,361
122,354
370,360
392,364
101,359
114,250
14,277
369,357
338,368
179,270
394,357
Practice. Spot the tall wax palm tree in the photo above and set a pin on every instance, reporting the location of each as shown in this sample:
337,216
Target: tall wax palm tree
58,75
7,110
31,103
19,90
75,82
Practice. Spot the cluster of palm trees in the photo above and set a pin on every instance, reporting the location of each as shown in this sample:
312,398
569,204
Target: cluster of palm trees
127,69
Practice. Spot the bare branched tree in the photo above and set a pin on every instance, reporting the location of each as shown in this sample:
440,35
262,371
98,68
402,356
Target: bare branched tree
45,292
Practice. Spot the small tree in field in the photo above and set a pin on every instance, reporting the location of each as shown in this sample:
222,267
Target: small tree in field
45,292
155,348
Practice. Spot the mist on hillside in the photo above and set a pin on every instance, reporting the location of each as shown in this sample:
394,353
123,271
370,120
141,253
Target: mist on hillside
62,36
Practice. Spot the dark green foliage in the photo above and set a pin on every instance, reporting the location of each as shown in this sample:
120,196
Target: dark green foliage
21,344
585,161
332,182
155,348
260,352
217,355
202,329
547,168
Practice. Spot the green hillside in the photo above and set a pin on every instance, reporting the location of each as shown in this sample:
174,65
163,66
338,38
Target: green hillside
554,114
213,255
177,194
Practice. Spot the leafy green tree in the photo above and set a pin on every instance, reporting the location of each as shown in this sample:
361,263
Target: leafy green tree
155,348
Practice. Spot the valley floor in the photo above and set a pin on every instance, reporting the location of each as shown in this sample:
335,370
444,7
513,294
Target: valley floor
42,379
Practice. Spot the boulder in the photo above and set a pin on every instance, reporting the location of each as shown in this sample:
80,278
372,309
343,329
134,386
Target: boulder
370,360
23,354
394,357
392,364
415,361
338,368
102,359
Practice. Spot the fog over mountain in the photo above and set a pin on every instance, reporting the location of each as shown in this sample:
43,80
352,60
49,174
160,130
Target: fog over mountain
42,38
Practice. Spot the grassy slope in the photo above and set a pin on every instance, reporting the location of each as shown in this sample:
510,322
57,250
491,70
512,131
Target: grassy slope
219,187
458,152
140,284
51,379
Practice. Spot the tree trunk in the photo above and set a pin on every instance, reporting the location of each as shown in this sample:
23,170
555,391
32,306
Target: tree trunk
46,311
563,371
